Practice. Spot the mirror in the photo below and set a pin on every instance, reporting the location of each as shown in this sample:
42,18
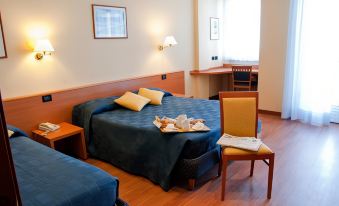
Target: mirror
3,53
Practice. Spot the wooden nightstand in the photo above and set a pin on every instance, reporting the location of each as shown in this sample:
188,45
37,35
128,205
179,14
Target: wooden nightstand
68,138
182,95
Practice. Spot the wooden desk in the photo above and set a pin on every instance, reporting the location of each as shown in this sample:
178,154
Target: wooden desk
224,71
217,71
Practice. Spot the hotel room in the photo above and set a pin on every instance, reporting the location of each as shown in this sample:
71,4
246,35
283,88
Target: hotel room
181,102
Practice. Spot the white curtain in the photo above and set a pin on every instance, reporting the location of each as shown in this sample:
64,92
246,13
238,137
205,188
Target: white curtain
312,69
242,30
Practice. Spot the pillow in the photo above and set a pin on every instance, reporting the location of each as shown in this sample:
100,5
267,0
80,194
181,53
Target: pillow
10,133
132,101
167,94
153,95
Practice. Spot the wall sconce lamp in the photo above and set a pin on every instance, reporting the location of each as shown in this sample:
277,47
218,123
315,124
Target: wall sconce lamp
169,42
43,47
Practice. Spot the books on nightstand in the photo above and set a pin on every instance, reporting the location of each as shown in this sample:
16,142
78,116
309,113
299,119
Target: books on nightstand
247,143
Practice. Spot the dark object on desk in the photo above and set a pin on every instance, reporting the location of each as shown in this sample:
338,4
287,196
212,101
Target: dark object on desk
242,78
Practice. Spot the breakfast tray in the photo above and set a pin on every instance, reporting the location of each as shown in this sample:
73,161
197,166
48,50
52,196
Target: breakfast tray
178,130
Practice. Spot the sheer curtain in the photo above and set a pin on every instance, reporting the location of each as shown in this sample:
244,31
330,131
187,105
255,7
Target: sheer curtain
312,69
242,30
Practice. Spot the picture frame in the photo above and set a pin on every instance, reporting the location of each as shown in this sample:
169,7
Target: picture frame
214,28
3,51
109,22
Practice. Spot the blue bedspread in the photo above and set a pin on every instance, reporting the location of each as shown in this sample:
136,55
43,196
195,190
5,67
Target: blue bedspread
130,141
47,177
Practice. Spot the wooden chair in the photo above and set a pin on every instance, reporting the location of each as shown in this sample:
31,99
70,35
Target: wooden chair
242,78
239,117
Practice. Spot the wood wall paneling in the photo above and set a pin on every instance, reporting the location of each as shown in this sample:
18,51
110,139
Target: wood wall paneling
27,112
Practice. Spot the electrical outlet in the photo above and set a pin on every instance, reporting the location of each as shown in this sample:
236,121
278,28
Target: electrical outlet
47,98
216,57
213,58
163,77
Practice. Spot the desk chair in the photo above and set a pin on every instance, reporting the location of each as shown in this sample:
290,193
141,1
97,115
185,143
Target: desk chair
239,117
242,78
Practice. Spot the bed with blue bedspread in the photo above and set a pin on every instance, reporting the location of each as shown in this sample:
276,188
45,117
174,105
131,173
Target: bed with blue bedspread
47,177
130,141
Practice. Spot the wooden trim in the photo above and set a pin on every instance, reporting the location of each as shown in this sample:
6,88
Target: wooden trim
3,38
217,71
269,112
94,85
27,112
93,24
230,65
9,190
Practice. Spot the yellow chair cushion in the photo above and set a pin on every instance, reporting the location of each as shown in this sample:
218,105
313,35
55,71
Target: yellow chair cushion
263,150
132,101
240,116
153,95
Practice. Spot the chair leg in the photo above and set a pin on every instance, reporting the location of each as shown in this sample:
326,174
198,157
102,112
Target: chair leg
270,177
252,167
191,184
220,163
223,177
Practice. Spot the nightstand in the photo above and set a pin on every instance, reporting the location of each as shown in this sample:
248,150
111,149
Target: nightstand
182,95
68,139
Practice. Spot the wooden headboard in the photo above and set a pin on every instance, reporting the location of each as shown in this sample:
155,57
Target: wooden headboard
27,112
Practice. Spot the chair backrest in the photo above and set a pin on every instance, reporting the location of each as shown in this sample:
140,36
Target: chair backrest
239,113
242,73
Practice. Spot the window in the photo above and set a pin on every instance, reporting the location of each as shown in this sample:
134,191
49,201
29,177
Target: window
311,81
242,30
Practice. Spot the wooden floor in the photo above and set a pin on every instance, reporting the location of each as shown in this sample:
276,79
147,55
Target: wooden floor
306,173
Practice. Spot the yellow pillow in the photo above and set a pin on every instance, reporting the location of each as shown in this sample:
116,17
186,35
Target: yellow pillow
10,133
132,101
153,95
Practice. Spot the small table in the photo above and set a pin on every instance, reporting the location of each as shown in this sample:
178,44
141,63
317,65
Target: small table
73,134
181,95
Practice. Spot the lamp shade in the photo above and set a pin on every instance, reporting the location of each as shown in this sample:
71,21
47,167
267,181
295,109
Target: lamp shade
43,45
170,41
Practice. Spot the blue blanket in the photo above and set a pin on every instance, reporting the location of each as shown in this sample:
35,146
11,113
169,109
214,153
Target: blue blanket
47,177
130,141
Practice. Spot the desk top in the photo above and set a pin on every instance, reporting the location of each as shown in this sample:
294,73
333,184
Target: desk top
216,71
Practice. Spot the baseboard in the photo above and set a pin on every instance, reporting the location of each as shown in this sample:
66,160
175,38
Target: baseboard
269,112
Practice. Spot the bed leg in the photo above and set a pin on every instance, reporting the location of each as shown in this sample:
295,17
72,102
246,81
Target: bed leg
191,184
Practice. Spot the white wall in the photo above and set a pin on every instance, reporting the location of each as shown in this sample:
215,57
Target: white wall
79,59
274,32
206,48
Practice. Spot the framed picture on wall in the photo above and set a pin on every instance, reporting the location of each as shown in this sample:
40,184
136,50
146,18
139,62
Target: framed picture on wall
214,24
3,52
109,22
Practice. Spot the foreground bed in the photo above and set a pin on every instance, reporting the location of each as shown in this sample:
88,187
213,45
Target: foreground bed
130,141
47,177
